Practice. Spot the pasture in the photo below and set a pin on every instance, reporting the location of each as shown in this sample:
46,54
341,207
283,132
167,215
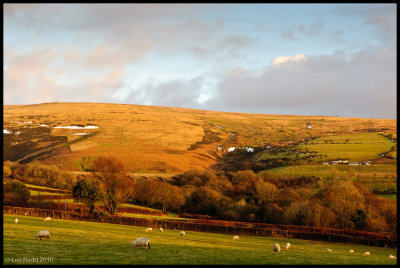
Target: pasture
351,147
79,242
324,171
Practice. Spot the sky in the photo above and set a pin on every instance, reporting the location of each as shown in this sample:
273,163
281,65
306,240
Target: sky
292,59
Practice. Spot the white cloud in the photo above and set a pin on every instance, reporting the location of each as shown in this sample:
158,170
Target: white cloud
361,84
285,59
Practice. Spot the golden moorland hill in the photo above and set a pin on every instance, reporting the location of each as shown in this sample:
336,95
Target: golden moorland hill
156,139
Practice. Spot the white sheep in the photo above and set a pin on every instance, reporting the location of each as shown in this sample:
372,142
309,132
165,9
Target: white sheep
141,242
288,245
182,233
351,251
276,248
392,257
161,230
16,220
235,237
43,234
149,229
47,219
328,249
367,253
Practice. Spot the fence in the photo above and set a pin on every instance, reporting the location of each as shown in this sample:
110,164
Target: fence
237,228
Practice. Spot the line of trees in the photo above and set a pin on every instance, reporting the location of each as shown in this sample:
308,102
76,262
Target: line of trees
39,174
238,195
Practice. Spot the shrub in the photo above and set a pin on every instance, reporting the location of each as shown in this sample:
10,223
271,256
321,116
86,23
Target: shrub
359,218
305,193
287,196
86,163
266,191
271,213
6,171
244,182
16,193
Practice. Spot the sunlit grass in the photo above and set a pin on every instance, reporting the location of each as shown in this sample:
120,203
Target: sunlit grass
150,216
351,147
79,242
389,196
324,171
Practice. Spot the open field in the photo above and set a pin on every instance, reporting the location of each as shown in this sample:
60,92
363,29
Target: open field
351,147
389,196
380,170
152,139
378,178
41,193
150,216
79,242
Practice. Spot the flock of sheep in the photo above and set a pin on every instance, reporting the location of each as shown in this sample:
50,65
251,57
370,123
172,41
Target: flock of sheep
40,234
145,241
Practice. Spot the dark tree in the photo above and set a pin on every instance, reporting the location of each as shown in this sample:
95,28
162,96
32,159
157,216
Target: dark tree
87,192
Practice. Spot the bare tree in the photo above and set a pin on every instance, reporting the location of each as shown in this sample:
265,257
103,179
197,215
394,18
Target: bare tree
112,175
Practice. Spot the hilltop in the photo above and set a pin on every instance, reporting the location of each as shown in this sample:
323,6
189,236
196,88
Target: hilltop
154,139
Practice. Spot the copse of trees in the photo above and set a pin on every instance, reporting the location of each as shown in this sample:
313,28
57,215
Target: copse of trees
39,174
244,195
344,199
159,194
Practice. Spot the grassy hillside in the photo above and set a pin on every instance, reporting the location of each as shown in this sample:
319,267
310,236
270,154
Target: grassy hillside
151,139
78,242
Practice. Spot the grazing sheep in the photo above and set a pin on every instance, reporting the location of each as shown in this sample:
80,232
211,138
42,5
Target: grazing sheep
328,249
276,248
235,237
161,230
392,257
43,234
288,245
367,253
149,229
351,251
47,219
16,220
182,233
141,242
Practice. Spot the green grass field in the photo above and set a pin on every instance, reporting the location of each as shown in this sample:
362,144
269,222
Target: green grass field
352,147
79,242
40,187
150,216
325,170
33,192
389,196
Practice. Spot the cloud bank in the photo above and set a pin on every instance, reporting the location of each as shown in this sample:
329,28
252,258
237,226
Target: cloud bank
306,59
